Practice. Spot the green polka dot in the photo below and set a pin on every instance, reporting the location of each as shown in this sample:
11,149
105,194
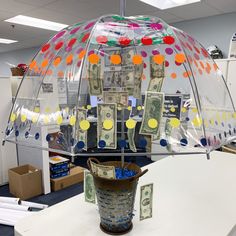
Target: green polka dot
118,17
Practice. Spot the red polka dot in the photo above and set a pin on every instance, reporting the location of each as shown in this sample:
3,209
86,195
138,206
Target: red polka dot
167,63
204,52
201,64
85,38
45,47
58,45
146,40
124,41
101,39
196,49
168,40
72,42
189,47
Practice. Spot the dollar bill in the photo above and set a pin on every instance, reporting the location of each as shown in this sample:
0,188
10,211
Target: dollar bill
128,77
156,70
168,131
146,198
130,134
120,98
89,189
152,112
103,171
81,135
107,112
95,79
138,73
157,75
113,79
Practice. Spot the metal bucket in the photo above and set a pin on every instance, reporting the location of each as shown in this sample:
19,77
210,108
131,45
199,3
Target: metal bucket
116,198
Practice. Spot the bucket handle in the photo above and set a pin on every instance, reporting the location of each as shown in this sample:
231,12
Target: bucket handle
139,175
93,159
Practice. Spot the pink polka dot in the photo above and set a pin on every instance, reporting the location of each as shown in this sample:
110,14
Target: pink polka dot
144,54
79,50
169,51
68,49
191,39
144,65
188,46
167,63
79,63
133,25
178,47
58,35
155,52
89,25
178,64
156,26
102,53
90,52
196,56
74,30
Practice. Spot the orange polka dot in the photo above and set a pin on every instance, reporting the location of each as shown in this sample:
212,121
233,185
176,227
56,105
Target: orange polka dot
43,72
173,75
93,58
208,70
186,74
137,59
57,61
115,59
82,54
69,59
200,71
44,63
49,72
208,66
201,64
180,58
195,62
32,64
215,67
159,59
60,74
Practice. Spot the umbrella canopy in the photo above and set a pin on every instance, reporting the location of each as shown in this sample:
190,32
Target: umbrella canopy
122,82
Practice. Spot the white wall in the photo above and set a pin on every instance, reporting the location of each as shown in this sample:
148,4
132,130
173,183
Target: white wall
216,30
15,58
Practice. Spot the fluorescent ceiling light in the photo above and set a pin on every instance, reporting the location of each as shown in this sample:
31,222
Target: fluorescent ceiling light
35,22
7,41
165,4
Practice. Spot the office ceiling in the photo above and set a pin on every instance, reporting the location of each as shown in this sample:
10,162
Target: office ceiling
72,11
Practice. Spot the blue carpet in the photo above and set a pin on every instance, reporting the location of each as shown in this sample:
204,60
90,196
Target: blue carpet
61,195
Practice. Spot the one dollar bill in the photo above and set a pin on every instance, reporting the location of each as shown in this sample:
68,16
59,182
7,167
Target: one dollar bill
107,113
89,189
146,200
152,113
81,135
103,171
130,134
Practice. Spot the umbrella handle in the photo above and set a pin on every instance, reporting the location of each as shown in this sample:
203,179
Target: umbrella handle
93,159
139,175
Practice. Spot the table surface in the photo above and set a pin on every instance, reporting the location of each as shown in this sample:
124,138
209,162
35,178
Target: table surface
193,196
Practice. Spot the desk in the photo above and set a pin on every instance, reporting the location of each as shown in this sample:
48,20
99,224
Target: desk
193,196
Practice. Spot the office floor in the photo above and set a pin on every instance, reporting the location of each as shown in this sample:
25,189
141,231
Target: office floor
56,197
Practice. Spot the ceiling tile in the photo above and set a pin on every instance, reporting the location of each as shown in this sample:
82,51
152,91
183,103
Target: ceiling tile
222,5
36,2
193,11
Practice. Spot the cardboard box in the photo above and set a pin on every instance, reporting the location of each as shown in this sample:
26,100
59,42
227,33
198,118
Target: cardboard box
76,176
25,181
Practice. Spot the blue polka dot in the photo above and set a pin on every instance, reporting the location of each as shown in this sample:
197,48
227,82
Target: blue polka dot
143,143
220,136
140,115
203,142
80,145
131,115
230,133
184,142
216,122
36,136
122,143
48,137
234,130
187,118
222,124
229,126
60,139
209,141
26,134
163,142
17,133
7,132
225,134
102,144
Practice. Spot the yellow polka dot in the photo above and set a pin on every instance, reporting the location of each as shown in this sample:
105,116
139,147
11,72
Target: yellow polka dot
174,122
119,108
129,108
46,119
197,122
130,123
152,123
83,107
194,110
58,108
234,115
211,121
107,124
139,108
47,110
13,117
23,118
224,116
183,109
84,125
59,120
37,109
172,109
206,123
72,120
89,107
34,118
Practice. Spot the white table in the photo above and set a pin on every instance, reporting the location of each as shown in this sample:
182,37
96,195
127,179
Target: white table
193,196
